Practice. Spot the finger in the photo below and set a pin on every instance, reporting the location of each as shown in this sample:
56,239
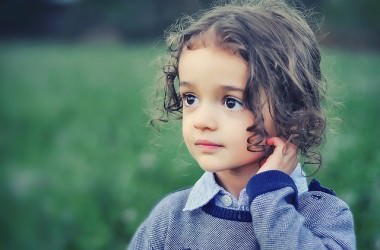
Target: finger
282,144
275,141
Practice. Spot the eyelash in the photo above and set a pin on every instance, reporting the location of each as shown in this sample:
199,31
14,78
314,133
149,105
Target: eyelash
186,97
235,101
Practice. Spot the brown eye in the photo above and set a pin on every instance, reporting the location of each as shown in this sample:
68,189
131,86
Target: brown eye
189,99
233,104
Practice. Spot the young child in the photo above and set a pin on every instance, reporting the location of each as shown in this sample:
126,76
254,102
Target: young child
246,80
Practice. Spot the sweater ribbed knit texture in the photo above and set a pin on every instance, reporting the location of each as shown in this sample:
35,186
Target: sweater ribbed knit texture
278,219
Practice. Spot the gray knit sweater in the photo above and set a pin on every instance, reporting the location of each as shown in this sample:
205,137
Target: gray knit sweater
278,219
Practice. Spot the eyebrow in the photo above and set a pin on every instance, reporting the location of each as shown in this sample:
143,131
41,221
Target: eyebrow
224,87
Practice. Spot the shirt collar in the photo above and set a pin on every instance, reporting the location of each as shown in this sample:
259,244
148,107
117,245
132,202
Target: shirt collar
202,192
205,189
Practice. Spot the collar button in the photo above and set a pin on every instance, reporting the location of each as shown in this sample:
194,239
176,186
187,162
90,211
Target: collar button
227,200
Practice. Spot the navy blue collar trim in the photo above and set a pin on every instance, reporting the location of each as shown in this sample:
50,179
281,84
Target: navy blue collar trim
227,214
316,186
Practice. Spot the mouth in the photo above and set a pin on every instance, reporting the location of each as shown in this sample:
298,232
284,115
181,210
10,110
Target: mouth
208,145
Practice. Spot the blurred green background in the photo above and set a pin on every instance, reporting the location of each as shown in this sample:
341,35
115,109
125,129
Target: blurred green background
79,166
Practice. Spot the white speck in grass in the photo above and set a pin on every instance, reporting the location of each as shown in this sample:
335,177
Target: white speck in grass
129,215
147,160
349,197
22,182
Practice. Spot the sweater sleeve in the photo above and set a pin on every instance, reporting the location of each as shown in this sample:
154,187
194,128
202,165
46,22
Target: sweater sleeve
283,220
140,239
150,235
152,232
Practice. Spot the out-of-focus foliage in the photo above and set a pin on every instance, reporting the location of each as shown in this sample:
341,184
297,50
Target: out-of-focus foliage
352,158
80,169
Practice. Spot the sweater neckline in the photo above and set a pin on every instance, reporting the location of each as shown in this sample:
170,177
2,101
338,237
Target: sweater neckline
227,214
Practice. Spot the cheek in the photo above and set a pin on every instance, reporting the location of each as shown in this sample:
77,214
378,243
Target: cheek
246,123
240,149
238,134
185,129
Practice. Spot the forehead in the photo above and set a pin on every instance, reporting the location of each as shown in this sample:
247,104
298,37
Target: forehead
210,40
212,66
205,58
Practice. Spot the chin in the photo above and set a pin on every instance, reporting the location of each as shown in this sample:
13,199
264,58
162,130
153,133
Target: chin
210,168
217,167
214,168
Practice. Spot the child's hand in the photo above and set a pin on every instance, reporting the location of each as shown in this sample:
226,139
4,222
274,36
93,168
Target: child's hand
283,158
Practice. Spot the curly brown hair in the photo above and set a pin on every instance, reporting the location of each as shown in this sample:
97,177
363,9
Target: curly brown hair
283,58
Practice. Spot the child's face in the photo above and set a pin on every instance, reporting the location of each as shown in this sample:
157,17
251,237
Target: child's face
215,122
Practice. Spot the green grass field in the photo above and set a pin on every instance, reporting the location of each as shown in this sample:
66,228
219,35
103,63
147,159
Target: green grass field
80,168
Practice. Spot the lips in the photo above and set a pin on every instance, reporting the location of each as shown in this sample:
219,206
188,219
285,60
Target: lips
206,144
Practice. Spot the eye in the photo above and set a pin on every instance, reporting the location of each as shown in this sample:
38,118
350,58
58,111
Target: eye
232,103
189,99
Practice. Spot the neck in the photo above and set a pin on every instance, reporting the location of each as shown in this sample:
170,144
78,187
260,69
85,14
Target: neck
235,180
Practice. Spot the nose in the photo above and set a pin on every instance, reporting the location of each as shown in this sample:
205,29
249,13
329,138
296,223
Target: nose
205,118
